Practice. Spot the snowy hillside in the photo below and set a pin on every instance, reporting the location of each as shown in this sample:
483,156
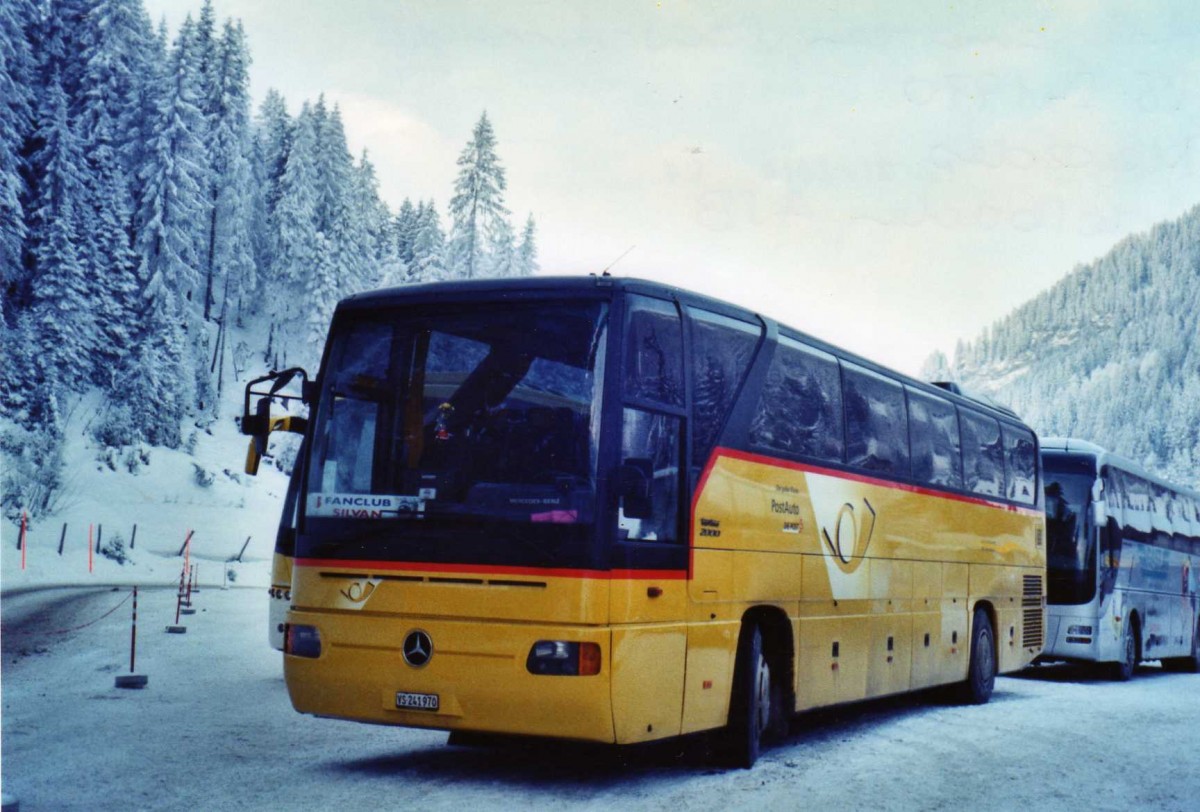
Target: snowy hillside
1111,353
166,492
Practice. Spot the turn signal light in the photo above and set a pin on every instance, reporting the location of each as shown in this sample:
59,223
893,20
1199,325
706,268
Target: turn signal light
564,659
301,641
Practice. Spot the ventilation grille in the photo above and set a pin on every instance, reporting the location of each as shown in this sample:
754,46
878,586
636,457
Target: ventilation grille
1032,631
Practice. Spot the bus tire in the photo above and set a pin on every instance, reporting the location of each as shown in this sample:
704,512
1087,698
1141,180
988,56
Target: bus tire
469,738
1122,670
981,672
751,711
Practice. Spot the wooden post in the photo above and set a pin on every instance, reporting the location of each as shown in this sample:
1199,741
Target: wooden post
62,538
133,537
21,543
99,535
243,550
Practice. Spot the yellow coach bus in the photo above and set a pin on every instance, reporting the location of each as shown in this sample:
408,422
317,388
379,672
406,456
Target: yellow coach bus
615,511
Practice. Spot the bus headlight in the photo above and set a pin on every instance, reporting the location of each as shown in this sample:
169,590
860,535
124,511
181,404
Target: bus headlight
301,641
563,658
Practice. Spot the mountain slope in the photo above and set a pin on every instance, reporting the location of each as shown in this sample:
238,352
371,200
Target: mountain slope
1111,353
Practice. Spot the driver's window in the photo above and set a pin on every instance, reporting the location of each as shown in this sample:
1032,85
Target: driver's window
652,427
650,450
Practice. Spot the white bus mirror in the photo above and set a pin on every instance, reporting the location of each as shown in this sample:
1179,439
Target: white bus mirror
1100,509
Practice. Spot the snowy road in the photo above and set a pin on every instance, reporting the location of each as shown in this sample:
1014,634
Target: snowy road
214,730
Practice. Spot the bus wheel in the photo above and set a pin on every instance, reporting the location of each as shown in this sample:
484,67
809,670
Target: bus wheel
1122,669
751,711
981,673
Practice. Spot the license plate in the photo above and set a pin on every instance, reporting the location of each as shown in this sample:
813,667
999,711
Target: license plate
425,702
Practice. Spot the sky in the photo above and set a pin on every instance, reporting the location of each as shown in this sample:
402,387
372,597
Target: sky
888,176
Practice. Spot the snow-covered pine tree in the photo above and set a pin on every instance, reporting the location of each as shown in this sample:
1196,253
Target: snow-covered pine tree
17,76
297,240
274,133
118,52
60,47
478,202
526,262
502,251
117,44
110,263
61,303
229,255
429,248
381,259
405,228
173,213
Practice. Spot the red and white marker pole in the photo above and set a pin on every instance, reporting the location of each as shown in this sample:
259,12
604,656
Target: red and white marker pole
132,680
179,596
89,548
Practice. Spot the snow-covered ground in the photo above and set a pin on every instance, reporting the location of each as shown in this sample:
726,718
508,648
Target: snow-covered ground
214,730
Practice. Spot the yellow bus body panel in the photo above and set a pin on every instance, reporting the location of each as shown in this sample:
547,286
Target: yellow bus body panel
879,580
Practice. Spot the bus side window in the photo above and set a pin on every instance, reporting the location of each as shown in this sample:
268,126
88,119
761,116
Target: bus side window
800,408
654,352
983,455
1021,465
722,349
650,452
652,430
876,422
933,430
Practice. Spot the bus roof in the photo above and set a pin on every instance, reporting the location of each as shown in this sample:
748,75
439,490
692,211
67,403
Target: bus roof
1073,445
540,286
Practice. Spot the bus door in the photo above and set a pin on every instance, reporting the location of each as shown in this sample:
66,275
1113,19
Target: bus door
649,550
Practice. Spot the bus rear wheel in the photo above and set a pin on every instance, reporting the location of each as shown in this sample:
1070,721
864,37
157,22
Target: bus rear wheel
1122,670
981,673
755,707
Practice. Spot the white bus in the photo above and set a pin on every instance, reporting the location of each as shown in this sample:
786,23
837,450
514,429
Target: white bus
1123,561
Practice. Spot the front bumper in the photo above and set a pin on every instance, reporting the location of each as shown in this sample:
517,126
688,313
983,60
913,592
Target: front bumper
477,669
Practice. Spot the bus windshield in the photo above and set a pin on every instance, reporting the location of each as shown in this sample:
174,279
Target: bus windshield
442,435
1070,542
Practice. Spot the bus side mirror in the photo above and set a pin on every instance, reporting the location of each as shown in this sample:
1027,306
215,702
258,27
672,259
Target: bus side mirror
1099,513
632,487
261,425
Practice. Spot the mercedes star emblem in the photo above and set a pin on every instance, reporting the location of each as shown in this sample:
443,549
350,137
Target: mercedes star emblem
417,649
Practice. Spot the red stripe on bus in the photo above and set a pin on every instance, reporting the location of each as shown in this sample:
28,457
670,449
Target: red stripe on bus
747,456
485,569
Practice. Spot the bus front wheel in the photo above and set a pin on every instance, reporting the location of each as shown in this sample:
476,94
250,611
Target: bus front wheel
1122,669
754,706
981,673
